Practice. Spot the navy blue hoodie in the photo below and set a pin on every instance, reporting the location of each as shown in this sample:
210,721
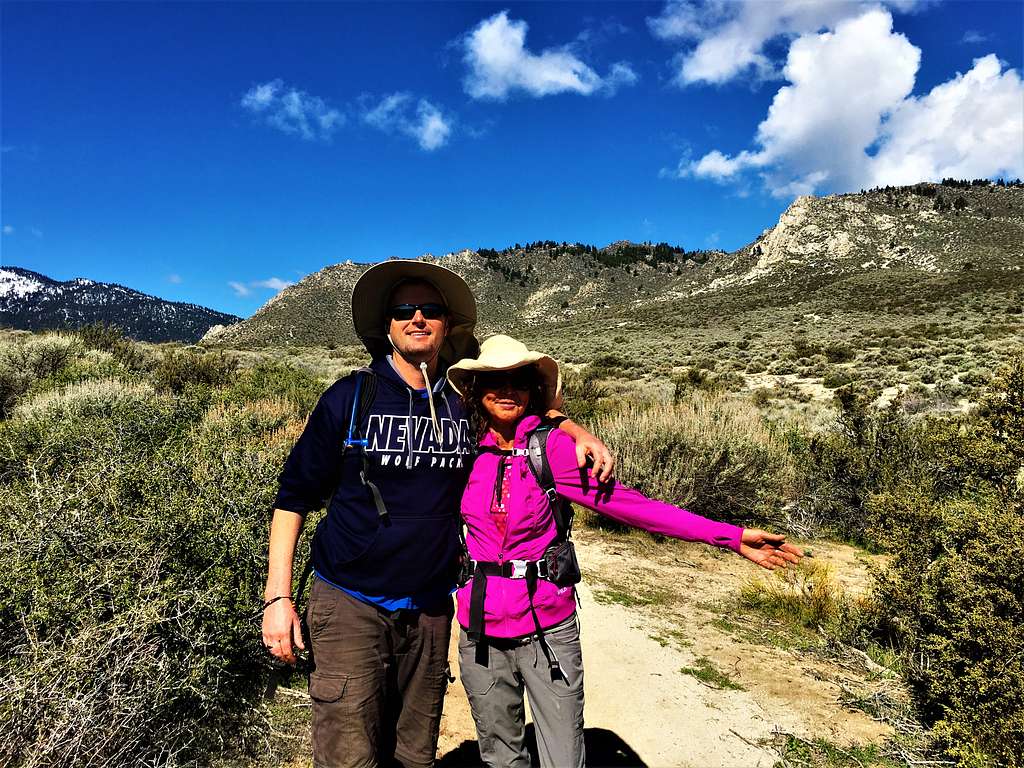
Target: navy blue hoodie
421,481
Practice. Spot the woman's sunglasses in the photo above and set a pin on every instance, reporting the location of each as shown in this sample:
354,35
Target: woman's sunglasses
518,379
408,311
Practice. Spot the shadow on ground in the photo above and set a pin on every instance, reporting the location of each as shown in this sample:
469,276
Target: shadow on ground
605,749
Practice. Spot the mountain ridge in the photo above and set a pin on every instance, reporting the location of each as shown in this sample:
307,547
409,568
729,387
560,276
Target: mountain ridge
926,228
35,302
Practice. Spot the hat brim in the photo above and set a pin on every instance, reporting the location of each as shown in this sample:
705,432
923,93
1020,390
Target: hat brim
372,290
461,374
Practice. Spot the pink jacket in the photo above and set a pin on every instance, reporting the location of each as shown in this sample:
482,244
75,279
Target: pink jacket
530,528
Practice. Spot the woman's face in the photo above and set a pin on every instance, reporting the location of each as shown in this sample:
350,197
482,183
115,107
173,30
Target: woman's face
505,395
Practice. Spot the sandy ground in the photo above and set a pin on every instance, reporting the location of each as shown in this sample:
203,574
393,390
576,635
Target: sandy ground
641,710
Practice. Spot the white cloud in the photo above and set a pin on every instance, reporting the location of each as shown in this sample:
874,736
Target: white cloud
245,289
499,64
973,37
729,38
174,279
847,119
424,122
273,283
8,229
293,111
969,127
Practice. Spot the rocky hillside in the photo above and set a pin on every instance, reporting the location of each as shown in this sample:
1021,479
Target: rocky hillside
31,301
929,229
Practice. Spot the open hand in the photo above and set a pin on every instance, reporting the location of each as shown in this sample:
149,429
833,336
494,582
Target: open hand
282,631
769,550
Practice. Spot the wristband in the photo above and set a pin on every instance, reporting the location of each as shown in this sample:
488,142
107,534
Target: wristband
273,600
554,421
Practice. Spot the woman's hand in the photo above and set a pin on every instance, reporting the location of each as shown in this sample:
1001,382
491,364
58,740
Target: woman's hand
282,630
769,550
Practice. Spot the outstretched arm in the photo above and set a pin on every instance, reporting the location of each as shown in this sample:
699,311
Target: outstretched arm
629,506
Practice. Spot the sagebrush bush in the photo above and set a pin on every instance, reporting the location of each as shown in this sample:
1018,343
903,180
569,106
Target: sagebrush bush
24,363
179,369
270,379
711,454
584,397
133,533
110,338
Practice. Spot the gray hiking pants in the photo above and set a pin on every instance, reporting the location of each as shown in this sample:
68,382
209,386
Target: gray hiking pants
495,694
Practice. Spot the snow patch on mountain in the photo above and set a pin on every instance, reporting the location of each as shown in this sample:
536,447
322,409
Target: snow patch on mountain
17,286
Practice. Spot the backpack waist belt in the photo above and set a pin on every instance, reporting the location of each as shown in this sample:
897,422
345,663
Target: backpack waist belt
509,569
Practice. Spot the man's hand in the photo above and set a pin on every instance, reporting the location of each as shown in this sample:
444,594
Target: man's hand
587,445
604,462
769,550
282,630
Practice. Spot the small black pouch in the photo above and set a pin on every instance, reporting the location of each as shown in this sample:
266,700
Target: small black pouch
562,566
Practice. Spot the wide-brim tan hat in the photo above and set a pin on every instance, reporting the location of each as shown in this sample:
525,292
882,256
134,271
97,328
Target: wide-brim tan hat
374,287
503,353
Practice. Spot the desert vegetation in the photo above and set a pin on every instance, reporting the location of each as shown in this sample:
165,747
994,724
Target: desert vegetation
135,482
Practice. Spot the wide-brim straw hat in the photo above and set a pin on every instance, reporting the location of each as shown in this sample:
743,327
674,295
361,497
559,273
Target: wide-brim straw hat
503,353
370,305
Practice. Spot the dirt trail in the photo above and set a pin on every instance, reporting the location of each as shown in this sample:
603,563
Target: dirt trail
645,617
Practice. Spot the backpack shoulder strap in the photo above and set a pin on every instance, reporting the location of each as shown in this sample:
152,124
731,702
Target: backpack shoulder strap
362,401
540,466
537,458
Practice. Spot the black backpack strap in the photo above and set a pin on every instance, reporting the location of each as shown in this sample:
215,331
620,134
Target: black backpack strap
362,403
540,466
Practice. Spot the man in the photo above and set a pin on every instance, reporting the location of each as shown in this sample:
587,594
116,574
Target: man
386,553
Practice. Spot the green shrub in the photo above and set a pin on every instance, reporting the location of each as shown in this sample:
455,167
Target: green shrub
584,396
37,357
864,453
952,602
838,377
839,352
13,384
710,454
110,338
268,379
180,369
948,502
133,535
702,379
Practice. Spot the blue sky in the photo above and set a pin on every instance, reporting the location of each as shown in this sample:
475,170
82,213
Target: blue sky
213,152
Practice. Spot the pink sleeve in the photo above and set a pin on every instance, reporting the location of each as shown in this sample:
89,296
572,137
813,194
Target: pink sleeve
629,506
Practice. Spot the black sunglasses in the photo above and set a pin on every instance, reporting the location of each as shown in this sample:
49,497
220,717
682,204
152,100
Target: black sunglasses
521,379
408,311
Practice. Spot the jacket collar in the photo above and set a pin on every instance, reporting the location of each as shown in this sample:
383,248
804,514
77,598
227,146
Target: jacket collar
526,425
385,369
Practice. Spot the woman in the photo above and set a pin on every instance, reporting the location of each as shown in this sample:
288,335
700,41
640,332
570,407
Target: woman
519,629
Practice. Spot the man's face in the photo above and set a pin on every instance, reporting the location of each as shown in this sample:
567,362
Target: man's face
418,339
